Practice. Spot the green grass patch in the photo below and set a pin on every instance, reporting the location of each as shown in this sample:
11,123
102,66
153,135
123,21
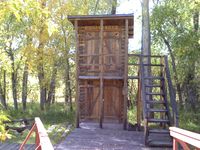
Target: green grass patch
189,120
57,119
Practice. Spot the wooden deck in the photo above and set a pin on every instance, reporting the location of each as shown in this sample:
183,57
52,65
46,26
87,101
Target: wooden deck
15,146
112,137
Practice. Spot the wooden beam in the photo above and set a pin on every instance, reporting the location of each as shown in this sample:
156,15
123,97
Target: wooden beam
184,137
101,75
139,104
125,76
77,75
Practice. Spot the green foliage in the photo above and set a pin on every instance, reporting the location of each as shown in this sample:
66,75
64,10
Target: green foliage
3,133
174,21
56,120
190,120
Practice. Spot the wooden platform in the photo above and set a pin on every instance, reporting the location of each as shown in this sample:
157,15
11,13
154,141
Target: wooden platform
112,137
15,146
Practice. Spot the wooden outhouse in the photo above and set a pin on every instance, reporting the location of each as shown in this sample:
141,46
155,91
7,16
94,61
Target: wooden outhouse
101,66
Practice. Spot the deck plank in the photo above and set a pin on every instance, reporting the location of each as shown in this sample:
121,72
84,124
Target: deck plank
112,137
15,146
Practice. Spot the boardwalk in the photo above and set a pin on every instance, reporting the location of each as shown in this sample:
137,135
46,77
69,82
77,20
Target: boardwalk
112,137
15,146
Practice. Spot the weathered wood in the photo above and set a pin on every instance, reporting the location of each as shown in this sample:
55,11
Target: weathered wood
101,75
102,45
125,76
42,141
77,74
139,103
184,137
90,137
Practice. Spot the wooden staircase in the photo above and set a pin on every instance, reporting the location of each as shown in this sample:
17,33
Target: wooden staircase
156,107
158,99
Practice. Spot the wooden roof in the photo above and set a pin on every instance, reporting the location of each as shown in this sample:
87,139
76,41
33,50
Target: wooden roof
109,20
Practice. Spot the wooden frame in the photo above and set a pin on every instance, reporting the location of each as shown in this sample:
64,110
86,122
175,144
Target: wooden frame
184,137
101,76
101,59
77,75
42,141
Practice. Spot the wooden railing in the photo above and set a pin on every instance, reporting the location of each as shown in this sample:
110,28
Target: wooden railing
42,141
172,94
185,138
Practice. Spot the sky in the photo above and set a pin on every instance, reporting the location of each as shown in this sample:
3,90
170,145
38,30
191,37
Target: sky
132,6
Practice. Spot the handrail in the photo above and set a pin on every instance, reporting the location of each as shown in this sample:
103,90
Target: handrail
184,137
172,93
139,55
42,140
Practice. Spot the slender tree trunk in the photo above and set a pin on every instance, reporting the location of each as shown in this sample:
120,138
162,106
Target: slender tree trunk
51,92
68,91
191,85
4,89
146,39
68,84
178,86
14,83
24,86
114,7
146,45
42,87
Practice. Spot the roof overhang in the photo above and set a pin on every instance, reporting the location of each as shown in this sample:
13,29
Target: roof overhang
108,20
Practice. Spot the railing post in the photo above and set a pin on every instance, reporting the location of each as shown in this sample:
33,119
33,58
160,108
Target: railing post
27,137
175,144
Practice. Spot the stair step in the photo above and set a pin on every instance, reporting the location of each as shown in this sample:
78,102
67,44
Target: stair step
133,77
159,65
158,120
154,77
157,110
160,143
155,102
155,93
152,85
159,131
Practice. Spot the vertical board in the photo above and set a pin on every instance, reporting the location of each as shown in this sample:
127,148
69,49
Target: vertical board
101,98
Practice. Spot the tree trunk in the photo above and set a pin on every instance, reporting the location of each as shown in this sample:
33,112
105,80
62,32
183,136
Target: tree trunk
178,86
3,91
42,87
146,43
68,91
24,86
114,7
51,92
68,94
146,40
14,82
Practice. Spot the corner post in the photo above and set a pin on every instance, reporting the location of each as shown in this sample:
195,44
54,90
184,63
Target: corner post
101,76
77,75
125,76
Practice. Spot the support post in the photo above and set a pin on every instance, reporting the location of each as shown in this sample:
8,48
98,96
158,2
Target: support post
77,75
101,76
125,92
139,104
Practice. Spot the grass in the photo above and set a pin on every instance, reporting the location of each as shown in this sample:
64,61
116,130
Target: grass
190,120
56,119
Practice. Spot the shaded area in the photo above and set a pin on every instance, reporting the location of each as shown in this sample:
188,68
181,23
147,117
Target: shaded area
15,146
